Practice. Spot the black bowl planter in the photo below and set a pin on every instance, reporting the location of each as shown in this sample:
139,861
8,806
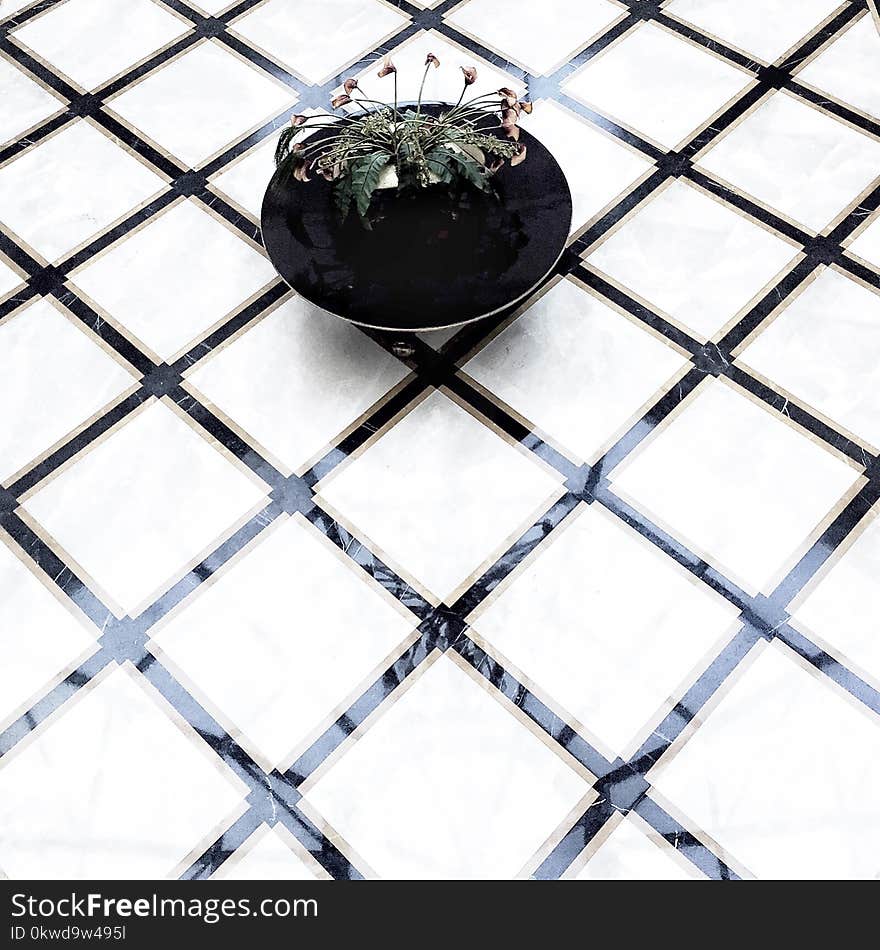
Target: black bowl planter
433,258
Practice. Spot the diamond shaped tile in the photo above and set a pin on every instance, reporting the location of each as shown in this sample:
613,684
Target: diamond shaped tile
866,246
576,368
140,788
824,349
42,636
446,783
550,39
783,774
849,69
70,187
296,380
736,483
245,180
843,606
764,28
139,508
318,40
798,161
561,621
92,41
191,272
443,84
658,84
440,494
26,103
693,258
201,102
284,639
56,378
271,854
599,167
635,852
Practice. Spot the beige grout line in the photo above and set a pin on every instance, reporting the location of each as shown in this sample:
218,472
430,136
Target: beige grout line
875,12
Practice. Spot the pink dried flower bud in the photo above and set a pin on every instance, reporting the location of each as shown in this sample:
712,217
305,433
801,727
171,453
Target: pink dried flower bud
508,123
526,107
470,75
432,60
508,97
350,85
297,120
342,100
387,68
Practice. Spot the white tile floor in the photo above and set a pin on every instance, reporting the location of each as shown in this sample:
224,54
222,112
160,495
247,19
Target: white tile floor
693,259
586,592
657,84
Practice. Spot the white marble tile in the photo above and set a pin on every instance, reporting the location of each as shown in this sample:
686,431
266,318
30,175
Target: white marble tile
212,7
784,774
296,380
797,160
55,378
735,482
436,339
447,783
611,661
441,494
190,272
843,607
70,187
283,638
635,852
657,83
824,349
443,84
92,41
849,69
318,40
39,636
693,258
245,181
115,787
270,854
10,279
138,508
25,102
548,40
763,28
599,168
576,369
202,102
867,244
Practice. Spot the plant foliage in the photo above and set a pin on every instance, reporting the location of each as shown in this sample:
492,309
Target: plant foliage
462,147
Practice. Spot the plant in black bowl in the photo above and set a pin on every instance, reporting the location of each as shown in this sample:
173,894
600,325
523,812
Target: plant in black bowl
388,147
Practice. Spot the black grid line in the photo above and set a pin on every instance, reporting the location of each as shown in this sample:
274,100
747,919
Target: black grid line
622,786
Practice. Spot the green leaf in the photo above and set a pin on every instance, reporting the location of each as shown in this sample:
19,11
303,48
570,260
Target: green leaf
466,168
342,195
364,173
285,140
438,163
